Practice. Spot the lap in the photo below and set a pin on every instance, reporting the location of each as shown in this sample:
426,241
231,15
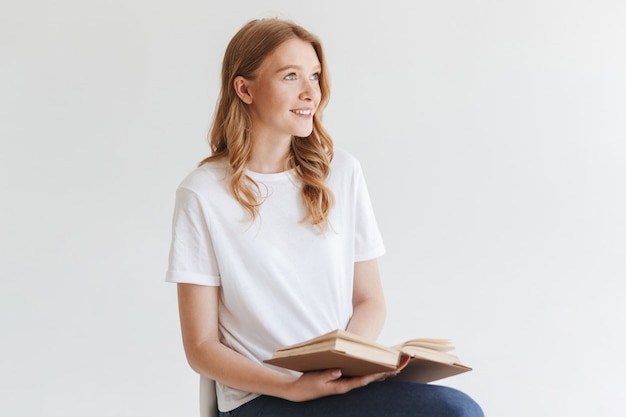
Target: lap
379,399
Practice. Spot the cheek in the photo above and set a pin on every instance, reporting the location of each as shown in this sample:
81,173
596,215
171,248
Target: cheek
275,96
318,94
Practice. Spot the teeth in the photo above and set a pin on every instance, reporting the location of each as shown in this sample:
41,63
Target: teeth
302,112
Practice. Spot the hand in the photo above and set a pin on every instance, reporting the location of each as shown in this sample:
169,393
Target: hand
312,385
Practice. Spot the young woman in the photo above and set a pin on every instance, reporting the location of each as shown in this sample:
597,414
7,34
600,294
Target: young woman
275,242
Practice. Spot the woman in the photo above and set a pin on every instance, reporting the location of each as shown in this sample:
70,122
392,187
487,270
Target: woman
275,242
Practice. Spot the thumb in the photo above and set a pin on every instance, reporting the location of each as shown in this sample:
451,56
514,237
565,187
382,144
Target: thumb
334,374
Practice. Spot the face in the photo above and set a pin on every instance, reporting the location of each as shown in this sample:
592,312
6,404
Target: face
285,93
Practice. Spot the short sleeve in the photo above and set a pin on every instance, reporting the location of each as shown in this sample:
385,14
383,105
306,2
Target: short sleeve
368,240
192,258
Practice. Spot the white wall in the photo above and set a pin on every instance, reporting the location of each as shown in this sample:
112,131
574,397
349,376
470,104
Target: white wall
492,135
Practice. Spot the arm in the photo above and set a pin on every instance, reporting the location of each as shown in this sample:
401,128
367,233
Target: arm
368,301
198,308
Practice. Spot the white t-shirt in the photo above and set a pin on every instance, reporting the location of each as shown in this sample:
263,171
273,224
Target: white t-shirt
281,280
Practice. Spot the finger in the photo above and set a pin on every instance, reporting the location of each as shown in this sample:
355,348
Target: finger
328,375
387,375
335,373
377,376
361,381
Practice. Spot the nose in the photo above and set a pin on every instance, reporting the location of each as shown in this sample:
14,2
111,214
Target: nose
310,90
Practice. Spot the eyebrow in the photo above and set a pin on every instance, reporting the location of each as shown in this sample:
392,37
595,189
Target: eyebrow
296,67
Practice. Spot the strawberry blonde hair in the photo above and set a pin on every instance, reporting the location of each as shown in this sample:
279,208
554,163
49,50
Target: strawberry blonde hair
229,136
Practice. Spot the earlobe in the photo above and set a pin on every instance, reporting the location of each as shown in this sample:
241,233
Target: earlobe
241,88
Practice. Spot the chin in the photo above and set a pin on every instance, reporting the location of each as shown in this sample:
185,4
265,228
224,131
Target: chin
303,133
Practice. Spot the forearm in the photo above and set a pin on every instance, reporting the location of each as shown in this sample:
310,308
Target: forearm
219,362
227,366
368,318
368,301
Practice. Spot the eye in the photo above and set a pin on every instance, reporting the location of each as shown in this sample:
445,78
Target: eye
290,77
316,76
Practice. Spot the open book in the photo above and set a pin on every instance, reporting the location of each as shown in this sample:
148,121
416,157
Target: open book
417,360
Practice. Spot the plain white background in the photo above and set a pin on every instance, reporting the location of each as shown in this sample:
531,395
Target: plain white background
492,135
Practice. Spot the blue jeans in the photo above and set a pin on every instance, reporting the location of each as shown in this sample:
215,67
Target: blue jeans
378,399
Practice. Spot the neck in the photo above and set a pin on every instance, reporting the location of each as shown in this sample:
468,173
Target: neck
269,156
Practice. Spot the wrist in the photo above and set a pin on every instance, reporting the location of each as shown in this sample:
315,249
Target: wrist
284,387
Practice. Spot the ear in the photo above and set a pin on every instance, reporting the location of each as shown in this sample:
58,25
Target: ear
241,88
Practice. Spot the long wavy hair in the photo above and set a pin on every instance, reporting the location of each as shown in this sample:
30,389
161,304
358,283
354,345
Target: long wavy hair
229,136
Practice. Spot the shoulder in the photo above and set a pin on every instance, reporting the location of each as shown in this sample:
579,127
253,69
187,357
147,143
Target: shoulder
345,171
344,161
205,176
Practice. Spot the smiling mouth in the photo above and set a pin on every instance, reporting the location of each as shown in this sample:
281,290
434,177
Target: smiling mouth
303,112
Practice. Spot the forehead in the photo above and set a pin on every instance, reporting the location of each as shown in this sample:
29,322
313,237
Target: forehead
292,53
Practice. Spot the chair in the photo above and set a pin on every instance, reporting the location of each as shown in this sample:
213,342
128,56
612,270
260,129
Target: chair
208,398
